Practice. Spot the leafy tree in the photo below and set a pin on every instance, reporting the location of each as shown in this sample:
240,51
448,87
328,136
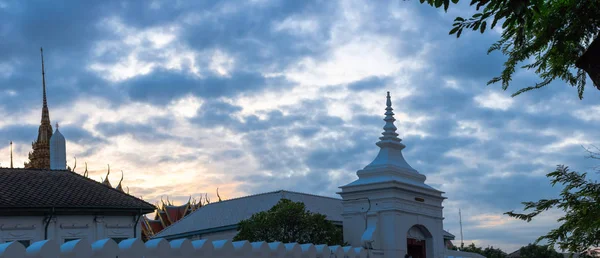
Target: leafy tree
472,249
489,252
551,34
539,251
289,222
579,199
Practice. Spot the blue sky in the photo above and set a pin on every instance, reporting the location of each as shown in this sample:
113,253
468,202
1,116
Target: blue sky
254,96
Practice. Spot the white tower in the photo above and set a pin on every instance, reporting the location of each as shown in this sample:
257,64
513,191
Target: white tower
58,151
389,208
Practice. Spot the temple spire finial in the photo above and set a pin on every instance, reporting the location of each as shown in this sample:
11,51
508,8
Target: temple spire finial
11,155
45,113
389,129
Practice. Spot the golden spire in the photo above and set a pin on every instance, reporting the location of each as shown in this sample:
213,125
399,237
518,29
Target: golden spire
11,155
218,194
105,181
85,173
40,156
44,136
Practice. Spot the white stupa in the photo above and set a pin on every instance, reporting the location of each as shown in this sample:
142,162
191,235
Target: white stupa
389,208
58,151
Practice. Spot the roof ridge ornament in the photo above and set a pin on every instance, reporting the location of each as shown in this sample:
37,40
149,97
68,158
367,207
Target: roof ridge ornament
105,181
85,173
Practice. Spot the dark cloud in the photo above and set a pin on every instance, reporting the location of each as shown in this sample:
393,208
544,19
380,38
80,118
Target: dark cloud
79,135
369,83
18,133
162,86
145,132
516,140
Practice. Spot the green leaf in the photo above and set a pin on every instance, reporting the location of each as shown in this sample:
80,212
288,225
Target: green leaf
455,1
438,3
459,32
482,28
494,23
460,19
477,15
446,4
454,30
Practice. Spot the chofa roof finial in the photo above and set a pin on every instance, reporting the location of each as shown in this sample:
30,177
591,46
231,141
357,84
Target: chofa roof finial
119,186
74,165
218,196
106,182
85,173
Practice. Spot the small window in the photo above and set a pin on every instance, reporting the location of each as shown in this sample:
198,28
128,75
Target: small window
118,239
25,243
70,239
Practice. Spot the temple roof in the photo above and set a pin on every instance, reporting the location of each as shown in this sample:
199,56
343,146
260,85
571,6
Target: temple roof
219,215
230,212
37,189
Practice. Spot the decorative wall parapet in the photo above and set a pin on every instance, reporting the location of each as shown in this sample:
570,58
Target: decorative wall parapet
4,227
184,248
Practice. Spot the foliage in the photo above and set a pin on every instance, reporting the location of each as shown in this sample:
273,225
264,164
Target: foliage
535,251
551,33
489,252
289,222
579,199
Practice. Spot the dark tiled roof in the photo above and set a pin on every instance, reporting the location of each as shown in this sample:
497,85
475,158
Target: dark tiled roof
38,188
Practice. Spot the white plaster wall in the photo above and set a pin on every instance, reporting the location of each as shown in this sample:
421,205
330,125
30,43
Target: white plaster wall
354,225
88,227
393,211
21,228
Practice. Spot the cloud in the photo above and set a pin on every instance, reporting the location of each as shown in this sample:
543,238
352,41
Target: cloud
187,96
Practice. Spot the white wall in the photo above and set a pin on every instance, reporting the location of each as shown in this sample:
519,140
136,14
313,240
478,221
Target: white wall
62,227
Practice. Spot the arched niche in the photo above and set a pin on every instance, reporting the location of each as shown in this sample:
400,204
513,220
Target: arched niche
419,242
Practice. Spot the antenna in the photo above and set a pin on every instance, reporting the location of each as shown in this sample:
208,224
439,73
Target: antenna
11,156
462,244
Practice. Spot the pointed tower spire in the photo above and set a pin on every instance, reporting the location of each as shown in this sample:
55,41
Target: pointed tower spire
45,113
40,156
11,155
390,162
389,129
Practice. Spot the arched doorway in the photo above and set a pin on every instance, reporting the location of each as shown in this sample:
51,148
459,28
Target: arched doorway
418,239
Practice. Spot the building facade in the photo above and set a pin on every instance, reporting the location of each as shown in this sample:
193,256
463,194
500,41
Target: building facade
62,205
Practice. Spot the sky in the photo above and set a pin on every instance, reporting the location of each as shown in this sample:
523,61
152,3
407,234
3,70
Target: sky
256,96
